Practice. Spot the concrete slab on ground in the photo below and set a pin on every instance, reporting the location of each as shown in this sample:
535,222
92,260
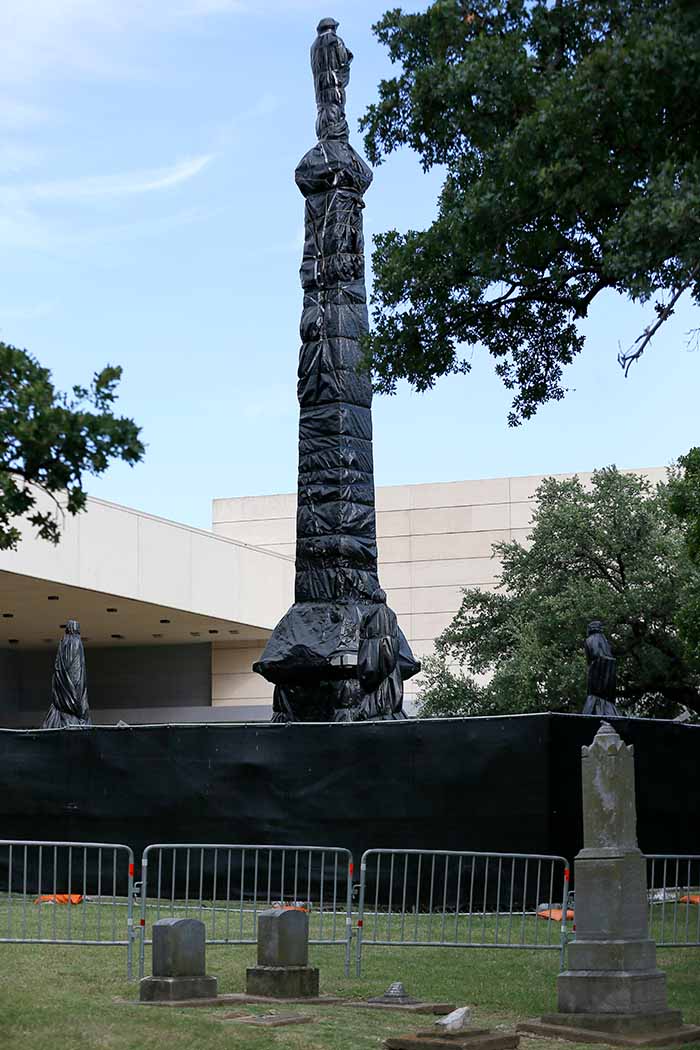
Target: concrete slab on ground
652,1037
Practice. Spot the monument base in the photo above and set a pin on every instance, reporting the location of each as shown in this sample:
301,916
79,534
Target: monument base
585,992
169,989
660,1028
282,982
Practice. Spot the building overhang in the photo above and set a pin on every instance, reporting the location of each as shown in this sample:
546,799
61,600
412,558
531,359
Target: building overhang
133,579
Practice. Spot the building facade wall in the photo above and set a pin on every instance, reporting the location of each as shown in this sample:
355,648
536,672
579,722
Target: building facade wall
120,551
433,541
122,682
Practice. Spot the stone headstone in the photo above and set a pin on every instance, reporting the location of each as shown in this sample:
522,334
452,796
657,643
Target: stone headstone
179,964
612,962
283,937
283,970
179,948
612,984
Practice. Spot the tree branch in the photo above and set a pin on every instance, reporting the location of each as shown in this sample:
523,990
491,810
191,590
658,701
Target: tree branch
35,483
627,359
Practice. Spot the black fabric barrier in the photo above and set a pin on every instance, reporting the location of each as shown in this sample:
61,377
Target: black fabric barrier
508,784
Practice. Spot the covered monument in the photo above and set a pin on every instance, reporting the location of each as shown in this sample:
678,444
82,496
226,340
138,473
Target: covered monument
69,698
338,654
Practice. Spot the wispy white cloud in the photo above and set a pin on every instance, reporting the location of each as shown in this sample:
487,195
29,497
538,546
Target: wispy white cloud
43,42
121,185
66,36
39,37
29,220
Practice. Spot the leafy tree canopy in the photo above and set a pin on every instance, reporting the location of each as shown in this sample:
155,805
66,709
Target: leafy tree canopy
49,440
684,499
612,551
684,502
569,137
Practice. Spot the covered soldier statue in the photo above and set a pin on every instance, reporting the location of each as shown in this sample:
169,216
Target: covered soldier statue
378,666
69,700
602,673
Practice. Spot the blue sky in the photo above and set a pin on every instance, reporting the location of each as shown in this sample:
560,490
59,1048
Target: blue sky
149,218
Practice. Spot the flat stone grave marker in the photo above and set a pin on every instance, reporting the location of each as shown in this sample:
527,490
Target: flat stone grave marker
271,1020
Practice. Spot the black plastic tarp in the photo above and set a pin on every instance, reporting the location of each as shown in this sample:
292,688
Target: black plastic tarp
508,784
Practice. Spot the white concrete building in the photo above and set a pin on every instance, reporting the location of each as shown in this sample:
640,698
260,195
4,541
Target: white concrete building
173,618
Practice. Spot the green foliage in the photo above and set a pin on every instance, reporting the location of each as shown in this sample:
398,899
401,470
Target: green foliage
569,137
684,503
684,499
49,440
612,552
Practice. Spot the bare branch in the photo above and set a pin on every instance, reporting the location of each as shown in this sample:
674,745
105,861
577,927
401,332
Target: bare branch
35,483
693,337
640,344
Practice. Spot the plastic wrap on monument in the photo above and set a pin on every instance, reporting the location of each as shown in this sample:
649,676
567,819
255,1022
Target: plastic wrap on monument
313,654
69,699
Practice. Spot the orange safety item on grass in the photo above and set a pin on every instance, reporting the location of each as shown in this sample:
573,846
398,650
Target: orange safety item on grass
693,898
555,914
60,898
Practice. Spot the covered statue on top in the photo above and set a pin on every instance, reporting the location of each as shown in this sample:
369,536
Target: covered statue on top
602,673
69,699
339,653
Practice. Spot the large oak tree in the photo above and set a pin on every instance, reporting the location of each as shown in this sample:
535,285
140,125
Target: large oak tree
569,135
613,551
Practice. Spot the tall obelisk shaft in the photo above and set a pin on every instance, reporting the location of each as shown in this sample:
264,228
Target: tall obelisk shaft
313,654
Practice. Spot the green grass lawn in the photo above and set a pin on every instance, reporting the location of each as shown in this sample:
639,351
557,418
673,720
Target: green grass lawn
54,996
106,918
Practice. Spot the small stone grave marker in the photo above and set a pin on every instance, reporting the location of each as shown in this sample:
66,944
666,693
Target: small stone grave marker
283,970
179,971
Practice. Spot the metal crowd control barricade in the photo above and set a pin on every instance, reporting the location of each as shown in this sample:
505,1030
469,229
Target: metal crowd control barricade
67,893
673,886
445,898
227,885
